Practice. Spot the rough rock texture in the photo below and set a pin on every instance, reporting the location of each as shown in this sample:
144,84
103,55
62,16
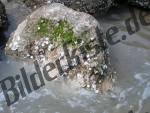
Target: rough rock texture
140,3
3,24
88,6
34,3
85,62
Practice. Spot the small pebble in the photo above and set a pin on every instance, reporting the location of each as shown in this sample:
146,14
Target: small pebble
92,38
50,47
43,44
96,91
47,42
88,86
28,55
48,1
76,42
104,66
94,86
88,56
82,42
62,54
36,47
39,28
79,75
113,80
86,63
89,59
35,7
90,69
95,58
31,57
102,72
47,39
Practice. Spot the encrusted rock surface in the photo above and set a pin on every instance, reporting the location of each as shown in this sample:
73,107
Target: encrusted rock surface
3,24
140,3
86,62
88,6
34,3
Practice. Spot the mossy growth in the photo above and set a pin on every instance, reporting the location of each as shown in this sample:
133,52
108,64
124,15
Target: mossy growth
43,27
61,32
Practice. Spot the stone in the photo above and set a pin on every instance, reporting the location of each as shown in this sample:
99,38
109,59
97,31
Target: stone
34,3
88,6
3,24
53,21
140,3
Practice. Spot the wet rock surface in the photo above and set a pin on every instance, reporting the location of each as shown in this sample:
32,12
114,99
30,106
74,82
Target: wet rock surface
84,59
88,6
3,24
135,3
34,3
140,3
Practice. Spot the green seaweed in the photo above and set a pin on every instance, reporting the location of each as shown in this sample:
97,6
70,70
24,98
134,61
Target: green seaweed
43,27
62,32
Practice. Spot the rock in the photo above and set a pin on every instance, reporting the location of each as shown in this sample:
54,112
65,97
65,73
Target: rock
72,41
88,6
140,3
34,3
3,24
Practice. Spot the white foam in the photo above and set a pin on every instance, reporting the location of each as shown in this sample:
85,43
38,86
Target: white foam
122,95
118,106
1,109
76,102
47,92
140,106
2,98
34,95
146,92
140,77
147,63
86,93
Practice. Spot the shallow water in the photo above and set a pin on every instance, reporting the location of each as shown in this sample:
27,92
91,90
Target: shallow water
130,58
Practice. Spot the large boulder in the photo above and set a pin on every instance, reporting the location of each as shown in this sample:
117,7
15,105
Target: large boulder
73,41
3,24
